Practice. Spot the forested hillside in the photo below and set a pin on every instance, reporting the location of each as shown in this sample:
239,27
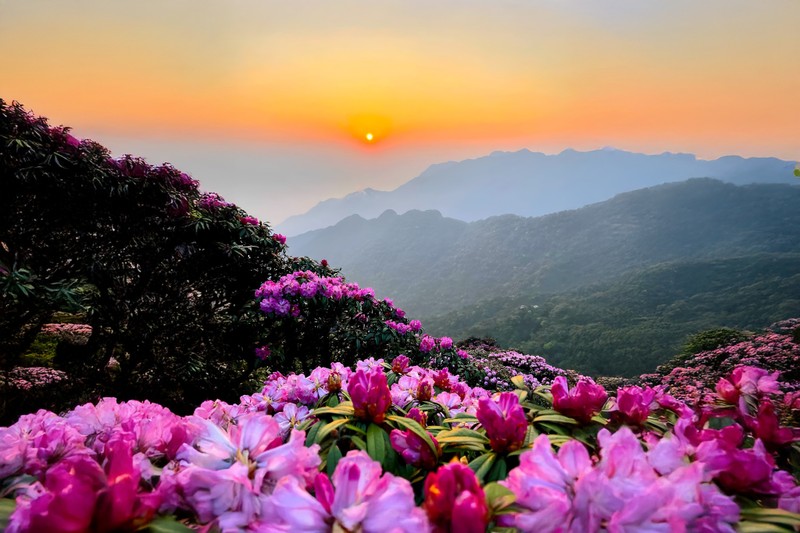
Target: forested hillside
434,265
629,326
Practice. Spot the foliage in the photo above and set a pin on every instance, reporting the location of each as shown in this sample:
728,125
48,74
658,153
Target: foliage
163,272
393,446
630,326
711,339
435,266
694,378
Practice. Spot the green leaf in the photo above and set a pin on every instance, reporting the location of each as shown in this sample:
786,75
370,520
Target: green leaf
166,524
358,442
343,409
333,459
499,470
7,507
771,516
415,428
760,527
461,418
461,435
311,434
498,497
487,464
477,463
355,428
560,419
376,447
519,382
326,429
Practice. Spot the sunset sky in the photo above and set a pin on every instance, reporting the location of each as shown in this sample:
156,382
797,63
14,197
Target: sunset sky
269,103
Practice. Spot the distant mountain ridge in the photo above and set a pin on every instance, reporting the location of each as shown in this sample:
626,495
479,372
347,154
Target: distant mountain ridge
431,264
529,183
610,288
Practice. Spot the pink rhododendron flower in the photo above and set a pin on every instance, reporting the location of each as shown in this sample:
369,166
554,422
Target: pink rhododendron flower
633,404
420,417
427,344
504,421
414,450
370,394
454,500
357,498
581,402
424,390
255,440
766,426
445,343
416,325
748,381
37,441
79,496
263,352
279,238
291,417
622,492
400,364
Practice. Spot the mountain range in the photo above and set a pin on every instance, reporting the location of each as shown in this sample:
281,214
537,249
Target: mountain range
530,183
456,275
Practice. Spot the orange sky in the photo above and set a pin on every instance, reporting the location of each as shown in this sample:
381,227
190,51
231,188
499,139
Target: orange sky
710,77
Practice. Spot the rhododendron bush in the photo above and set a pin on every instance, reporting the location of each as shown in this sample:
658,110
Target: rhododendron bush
391,446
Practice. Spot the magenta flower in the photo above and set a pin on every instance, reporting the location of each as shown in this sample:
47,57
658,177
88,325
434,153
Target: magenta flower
445,343
255,441
427,344
291,417
747,381
414,450
416,325
455,501
400,364
420,417
357,498
370,394
37,441
79,496
582,402
544,484
766,426
279,238
504,421
249,221
633,404
424,390
68,500
263,352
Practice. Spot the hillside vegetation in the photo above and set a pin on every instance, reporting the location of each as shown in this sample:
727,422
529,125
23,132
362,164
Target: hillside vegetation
629,326
618,285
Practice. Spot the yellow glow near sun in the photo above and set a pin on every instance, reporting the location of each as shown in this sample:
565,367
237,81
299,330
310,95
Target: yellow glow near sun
369,137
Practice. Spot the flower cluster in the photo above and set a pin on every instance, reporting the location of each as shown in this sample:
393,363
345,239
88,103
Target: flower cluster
695,380
32,377
211,201
77,334
628,489
354,448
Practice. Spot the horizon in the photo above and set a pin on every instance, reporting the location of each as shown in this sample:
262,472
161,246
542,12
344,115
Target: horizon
280,107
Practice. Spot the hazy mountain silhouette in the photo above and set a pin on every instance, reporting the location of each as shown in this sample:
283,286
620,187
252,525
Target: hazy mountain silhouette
431,264
529,183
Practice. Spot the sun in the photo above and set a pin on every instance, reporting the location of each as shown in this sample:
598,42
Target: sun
369,137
